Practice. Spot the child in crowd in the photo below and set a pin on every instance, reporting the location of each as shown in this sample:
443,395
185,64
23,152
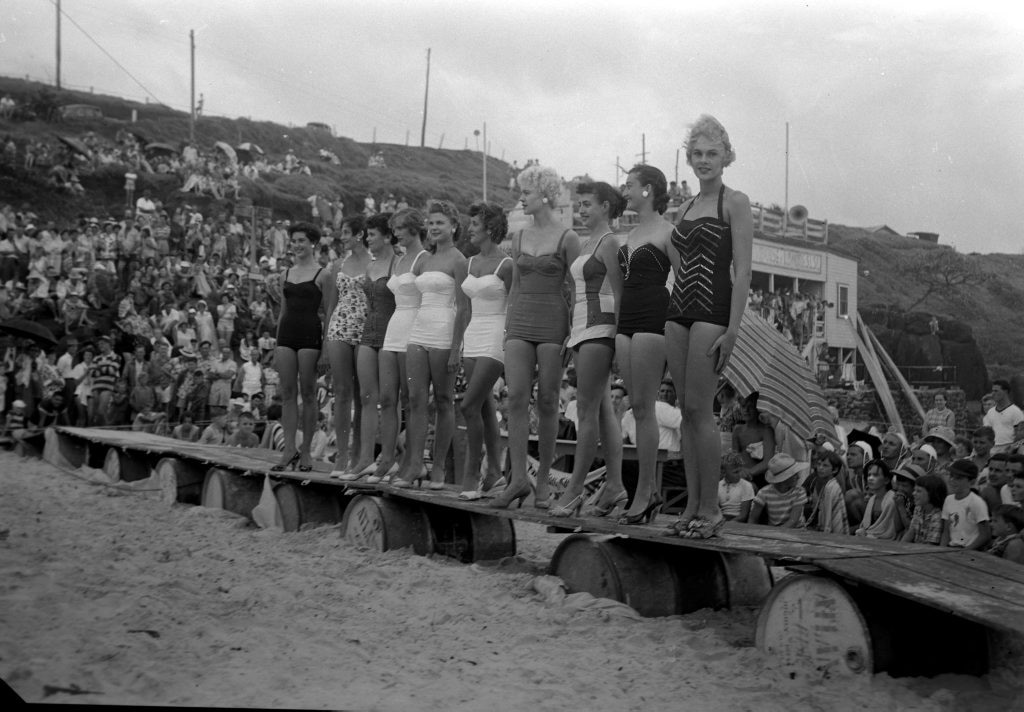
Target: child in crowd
186,430
926,524
735,494
829,513
965,519
881,520
214,433
15,419
903,480
244,436
1007,524
782,497
1017,488
994,490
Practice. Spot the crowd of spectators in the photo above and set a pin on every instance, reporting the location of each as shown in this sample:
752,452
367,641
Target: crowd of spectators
938,489
792,313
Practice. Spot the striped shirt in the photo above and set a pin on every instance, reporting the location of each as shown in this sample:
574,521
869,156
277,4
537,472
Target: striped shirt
105,370
779,505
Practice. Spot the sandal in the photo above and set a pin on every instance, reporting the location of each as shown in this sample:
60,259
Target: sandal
701,528
680,525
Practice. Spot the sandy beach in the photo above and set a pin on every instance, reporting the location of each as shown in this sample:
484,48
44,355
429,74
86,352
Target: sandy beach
112,597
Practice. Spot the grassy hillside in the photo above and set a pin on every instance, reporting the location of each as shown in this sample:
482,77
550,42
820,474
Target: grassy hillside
992,309
413,172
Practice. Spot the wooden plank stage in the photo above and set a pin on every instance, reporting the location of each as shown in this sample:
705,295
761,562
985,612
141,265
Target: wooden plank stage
974,586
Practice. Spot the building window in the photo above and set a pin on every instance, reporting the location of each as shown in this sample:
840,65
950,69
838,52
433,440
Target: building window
843,301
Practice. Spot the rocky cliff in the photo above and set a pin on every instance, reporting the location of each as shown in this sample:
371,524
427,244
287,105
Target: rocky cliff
908,339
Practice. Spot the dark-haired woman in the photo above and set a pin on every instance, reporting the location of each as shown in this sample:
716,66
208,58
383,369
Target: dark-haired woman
711,252
598,280
640,341
483,350
345,301
536,328
409,229
300,337
380,305
881,519
432,356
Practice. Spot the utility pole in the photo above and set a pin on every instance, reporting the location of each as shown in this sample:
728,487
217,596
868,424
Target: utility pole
785,209
426,93
192,58
485,161
58,44
643,149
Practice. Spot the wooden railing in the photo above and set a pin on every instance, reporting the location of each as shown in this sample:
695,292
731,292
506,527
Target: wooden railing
766,220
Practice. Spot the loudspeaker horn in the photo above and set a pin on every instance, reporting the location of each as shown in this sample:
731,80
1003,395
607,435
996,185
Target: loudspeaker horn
797,215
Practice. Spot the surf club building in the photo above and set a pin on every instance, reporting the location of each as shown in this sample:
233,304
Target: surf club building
802,263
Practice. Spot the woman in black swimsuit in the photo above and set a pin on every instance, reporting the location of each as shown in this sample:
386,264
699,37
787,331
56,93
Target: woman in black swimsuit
640,341
714,233
300,336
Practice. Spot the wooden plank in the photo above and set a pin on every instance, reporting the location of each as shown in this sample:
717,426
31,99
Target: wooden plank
931,579
896,373
875,371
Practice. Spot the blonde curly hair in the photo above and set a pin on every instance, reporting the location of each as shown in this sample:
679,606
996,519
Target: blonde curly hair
543,180
710,128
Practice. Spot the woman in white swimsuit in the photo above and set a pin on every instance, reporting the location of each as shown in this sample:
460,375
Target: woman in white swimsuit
432,355
408,226
483,347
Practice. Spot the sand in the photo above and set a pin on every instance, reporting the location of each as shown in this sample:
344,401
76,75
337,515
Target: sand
113,597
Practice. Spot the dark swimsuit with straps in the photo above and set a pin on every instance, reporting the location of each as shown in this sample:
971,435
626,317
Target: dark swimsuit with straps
703,288
644,297
299,326
380,305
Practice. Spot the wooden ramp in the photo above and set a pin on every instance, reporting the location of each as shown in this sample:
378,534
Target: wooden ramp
640,562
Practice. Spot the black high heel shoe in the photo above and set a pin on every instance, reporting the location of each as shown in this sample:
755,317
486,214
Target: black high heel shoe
645,517
506,498
289,464
305,468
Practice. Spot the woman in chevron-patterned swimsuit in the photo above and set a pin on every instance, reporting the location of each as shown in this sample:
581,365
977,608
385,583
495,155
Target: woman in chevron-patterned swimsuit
710,253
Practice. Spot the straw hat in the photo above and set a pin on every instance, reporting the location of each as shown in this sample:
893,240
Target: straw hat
782,466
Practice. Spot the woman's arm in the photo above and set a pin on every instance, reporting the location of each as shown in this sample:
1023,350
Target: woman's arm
609,255
463,312
742,224
328,287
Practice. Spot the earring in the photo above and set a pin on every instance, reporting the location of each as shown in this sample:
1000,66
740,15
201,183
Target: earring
544,200
645,193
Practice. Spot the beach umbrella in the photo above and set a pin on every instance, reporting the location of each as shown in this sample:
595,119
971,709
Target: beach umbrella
228,151
164,148
25,329
250,147
75,145
765,361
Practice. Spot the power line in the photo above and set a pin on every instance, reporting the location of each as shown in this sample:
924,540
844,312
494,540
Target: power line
109,56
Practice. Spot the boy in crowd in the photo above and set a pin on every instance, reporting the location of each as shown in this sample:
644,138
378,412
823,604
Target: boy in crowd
965,520
244,436
1004,416
782,498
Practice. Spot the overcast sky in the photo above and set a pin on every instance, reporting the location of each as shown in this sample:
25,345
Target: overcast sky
911,117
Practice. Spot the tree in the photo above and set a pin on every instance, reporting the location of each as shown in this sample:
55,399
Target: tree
941,271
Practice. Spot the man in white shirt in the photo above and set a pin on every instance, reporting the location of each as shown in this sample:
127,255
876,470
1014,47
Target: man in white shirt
669,417
1003,417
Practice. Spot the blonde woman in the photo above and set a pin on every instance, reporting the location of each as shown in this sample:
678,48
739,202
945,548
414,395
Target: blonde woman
711,252
536,329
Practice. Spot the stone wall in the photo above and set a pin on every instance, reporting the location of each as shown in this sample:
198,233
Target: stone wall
865,407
